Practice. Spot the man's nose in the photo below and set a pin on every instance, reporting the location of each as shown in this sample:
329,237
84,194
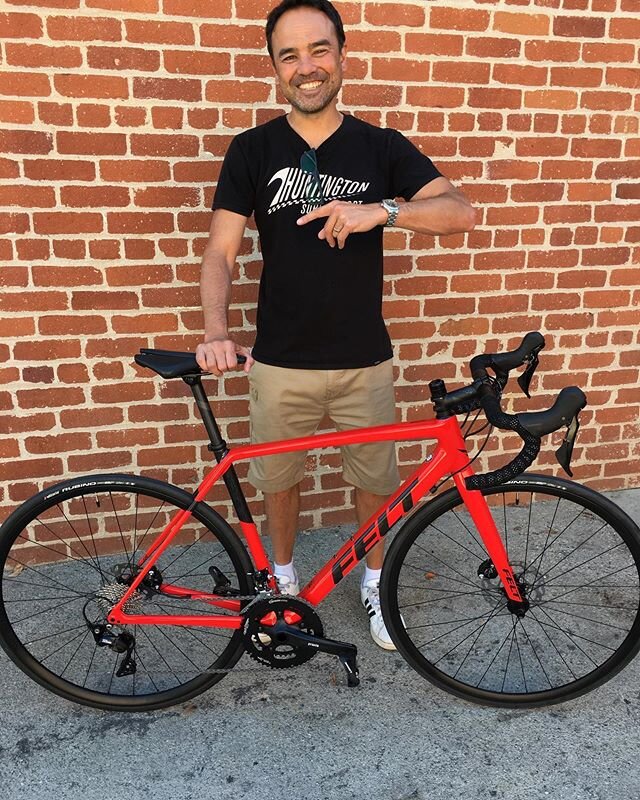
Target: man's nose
306,65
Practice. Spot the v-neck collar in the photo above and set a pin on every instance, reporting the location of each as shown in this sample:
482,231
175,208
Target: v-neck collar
321,146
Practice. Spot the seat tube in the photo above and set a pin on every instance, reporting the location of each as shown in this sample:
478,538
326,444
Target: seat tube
219,448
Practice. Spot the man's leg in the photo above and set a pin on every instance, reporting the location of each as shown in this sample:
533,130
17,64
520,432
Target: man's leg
282,509
367,504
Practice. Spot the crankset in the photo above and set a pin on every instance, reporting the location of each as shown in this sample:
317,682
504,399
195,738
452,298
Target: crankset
284,631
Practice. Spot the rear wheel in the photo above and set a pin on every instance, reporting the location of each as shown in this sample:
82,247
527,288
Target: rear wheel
576,557
68,555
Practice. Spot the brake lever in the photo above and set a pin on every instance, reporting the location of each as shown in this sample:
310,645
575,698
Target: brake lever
565,451
524,380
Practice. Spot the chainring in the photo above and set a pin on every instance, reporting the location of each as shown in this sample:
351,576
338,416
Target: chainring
260,639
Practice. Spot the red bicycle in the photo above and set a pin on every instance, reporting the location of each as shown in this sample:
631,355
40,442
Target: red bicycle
126,593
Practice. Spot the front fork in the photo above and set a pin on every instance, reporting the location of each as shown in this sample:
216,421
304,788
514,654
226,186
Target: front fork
483,518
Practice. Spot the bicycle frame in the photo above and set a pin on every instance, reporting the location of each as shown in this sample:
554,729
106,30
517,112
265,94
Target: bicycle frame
449,458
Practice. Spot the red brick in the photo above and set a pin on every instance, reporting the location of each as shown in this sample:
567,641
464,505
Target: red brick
551,98
516,74
94,196
576,76
145,323
400,69
28,196
84,29
380,95
552,51
90,115
28,142
50,398
246,37
164,145
151,32
67,222
495,98
107,144
20,26
104,86
122,393
17,112
580,27
434,44
394,14
547,146
139,275
73,249
90,301
71,324
25,84
521,23
30,468
130,6
196,63
59,170
461,72
606,101
238,91
374,42
168,197
39,55
135,171
435,96
14,223
607,53
137,223
64,443
625,28
459,19
193,8
625,77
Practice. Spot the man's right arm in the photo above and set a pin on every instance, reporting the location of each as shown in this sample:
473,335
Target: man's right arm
217,353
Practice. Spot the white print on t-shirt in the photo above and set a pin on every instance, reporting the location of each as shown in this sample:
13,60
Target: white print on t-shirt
294,188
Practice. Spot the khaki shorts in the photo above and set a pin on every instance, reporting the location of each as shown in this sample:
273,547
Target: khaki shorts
290,403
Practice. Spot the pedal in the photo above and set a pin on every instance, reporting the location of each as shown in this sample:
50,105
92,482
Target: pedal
347,653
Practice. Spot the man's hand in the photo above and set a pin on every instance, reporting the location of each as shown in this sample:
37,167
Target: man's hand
219,355
345,218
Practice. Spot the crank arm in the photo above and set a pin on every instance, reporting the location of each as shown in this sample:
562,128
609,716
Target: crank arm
347,653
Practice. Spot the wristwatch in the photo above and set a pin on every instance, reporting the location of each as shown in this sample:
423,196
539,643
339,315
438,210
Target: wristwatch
392,208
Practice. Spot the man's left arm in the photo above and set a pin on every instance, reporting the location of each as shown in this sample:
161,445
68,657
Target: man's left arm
438,209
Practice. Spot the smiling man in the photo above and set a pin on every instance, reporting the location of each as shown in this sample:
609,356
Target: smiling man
322,187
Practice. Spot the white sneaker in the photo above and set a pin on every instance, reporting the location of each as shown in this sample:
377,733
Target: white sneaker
370,596
288,586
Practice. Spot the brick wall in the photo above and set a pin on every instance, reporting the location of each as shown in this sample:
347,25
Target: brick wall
116,115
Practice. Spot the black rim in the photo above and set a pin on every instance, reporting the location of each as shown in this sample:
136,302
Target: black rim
62,569
580,578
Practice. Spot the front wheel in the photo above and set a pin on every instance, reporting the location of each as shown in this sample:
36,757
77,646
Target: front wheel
576,558
70,553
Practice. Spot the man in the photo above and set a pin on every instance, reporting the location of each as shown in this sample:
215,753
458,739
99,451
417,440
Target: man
321,186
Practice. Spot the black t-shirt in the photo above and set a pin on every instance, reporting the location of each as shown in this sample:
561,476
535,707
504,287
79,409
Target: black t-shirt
318,307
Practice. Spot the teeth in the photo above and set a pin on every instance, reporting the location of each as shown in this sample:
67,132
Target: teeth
311,85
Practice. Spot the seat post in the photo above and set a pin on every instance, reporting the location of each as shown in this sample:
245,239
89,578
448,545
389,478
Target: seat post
218,447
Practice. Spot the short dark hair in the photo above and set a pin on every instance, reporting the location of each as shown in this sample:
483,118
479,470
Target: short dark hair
321,5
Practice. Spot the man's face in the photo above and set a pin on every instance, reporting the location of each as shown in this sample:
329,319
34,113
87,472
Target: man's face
307,59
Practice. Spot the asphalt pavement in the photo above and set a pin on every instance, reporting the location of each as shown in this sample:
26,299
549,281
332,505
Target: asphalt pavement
303,733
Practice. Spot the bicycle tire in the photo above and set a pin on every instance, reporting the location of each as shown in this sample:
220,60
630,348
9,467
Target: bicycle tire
577,557
75,542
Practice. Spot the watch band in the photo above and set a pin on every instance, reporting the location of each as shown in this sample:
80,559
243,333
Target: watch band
392,208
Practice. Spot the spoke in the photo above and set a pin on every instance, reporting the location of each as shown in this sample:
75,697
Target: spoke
62,646
480,630
524,677
575,550
95,546
117,518
57,607
542,554
496,654
586,619
51,635
433,556
483,551
551,623
422,571
41,599
491,615
73,655
192,572
80,558
40,586
79,538
506,668
437,599
67,558
535,653
595,580
93,655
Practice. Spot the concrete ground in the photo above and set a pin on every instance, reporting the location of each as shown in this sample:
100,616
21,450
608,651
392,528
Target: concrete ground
303,734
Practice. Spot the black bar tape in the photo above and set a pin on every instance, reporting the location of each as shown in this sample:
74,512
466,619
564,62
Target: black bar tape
524,459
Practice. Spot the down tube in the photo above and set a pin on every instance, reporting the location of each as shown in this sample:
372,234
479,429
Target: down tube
373,531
